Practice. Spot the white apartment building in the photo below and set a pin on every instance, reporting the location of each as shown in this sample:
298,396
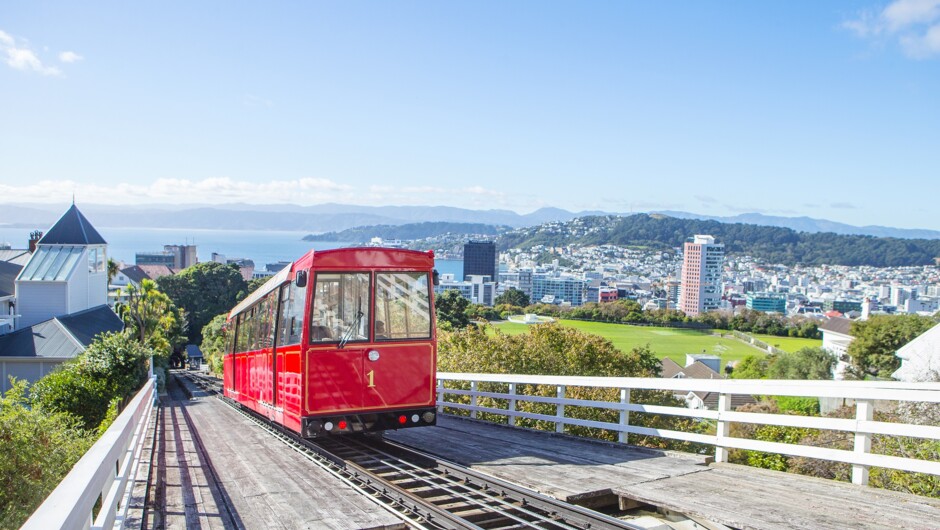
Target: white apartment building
701,275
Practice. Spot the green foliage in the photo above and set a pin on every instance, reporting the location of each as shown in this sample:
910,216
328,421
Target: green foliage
513,297
451,310
38,450
752,367
801,406
772,244
113,366
254,284
805,363
878,338
552,349
213,342
767,433
152,318
203,291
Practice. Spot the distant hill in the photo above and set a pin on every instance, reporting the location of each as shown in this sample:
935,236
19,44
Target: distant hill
323,218
809,224
409,231
773,244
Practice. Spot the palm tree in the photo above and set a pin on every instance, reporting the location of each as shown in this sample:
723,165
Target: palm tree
112,270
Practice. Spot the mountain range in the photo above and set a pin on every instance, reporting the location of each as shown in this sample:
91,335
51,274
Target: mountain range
334,217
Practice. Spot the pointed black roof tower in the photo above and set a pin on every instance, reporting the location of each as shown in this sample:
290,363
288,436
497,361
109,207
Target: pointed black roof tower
72,229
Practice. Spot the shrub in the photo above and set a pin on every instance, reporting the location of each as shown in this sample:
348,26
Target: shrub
38,450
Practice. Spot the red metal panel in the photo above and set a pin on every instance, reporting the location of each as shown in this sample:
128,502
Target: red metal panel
372,258
403,376
334,380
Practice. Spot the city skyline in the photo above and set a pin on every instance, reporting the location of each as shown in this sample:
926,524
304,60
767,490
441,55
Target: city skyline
790,110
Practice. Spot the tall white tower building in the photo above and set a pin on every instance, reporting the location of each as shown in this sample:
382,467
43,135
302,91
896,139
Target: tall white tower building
701,275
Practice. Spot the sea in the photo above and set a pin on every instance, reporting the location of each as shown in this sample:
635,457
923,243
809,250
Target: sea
260,246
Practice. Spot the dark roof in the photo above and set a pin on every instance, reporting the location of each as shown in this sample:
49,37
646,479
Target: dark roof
737,400
63,337
837,325
155,271
72,229
670,368
135,274
86,325
8,273
696,370
193,352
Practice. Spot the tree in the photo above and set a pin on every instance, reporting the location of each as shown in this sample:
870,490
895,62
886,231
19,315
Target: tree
751,367
39,448
114,366
152,318
806,363
451,308
203,291
213,342
514,297
878,338
113,270
254,284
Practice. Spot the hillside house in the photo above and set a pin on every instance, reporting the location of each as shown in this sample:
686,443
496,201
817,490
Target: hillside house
67,273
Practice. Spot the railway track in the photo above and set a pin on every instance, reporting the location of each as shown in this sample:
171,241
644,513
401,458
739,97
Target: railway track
429,492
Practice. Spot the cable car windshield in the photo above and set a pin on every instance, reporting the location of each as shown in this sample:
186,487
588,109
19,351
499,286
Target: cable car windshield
340,311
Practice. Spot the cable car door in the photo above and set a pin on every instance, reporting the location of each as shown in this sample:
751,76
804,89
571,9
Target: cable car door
399,366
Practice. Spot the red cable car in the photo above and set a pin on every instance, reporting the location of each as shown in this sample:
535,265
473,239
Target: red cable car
341,341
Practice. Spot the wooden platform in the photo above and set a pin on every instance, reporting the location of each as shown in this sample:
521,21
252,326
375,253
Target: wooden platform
213,468
594,473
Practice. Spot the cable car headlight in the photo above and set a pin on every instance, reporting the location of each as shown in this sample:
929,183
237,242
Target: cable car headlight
428,417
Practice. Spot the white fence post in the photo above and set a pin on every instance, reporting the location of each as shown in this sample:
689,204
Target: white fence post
624,414
560,410
512,404
864,411
440,396
724,428
473,399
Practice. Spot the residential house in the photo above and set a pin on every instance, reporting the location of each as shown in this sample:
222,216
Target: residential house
67,273
920,358
699,370
32,352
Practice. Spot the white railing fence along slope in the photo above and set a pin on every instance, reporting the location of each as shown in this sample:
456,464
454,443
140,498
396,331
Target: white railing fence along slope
104,473
863,393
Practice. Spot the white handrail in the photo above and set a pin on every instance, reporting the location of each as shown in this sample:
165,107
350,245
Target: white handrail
105,470
862,426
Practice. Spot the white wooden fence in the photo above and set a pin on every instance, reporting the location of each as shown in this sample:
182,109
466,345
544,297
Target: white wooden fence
105,470
862,426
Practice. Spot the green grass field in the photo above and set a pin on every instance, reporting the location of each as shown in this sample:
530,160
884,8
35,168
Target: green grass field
671,342
788,343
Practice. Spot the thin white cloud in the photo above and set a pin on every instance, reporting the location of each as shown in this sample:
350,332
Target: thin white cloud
914,24
219,190
17,55
70,57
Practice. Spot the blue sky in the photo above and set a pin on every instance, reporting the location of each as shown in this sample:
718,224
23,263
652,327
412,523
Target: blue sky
795,108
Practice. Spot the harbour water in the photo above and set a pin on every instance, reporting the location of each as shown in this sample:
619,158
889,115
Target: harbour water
260,246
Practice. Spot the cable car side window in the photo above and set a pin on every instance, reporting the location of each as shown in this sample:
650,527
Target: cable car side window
293,300
402,306
340,310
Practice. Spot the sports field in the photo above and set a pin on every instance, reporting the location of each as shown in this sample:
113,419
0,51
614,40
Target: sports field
669,342
789,344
